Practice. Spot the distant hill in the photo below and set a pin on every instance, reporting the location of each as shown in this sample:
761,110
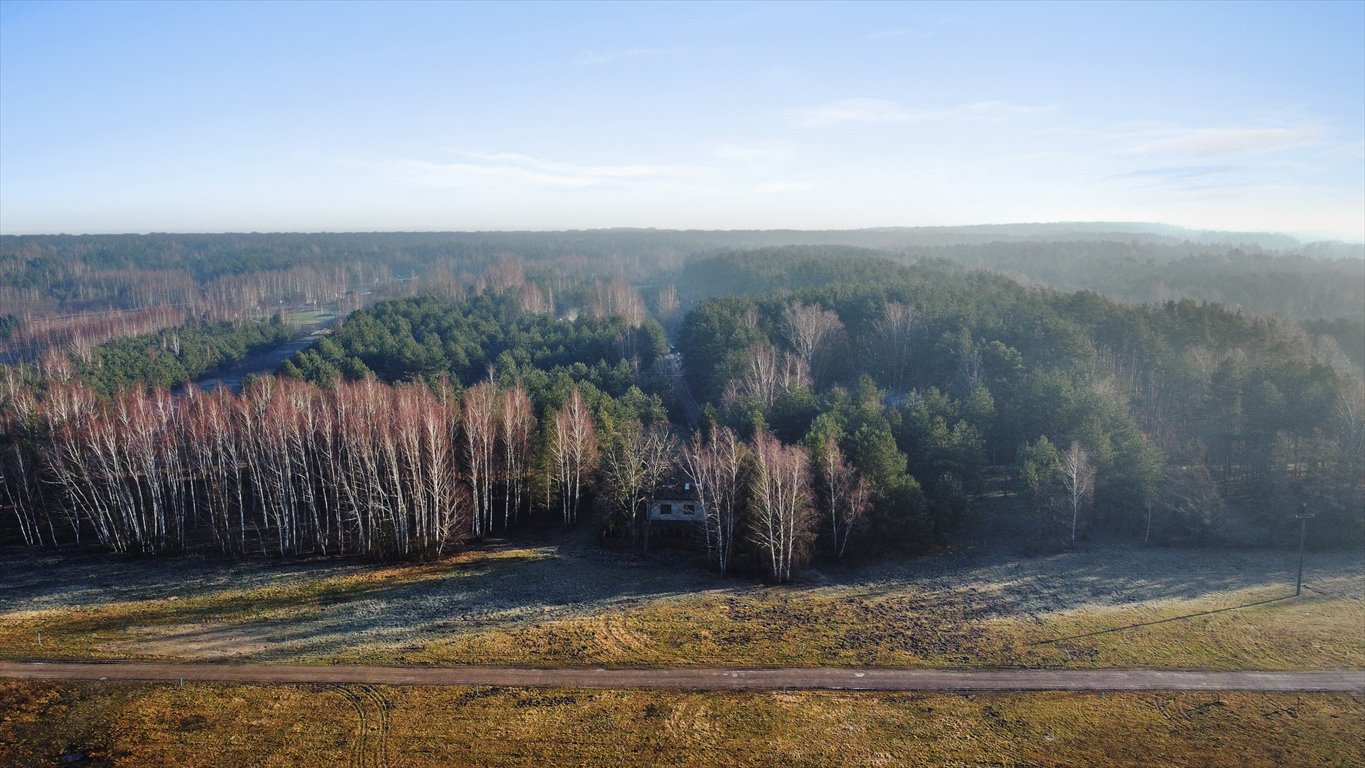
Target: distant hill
1257,272
607,240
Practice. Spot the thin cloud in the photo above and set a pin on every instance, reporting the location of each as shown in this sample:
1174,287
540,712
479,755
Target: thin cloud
868,111
1177,173
1235,191
1207,182
1217,142
480,169
1186,179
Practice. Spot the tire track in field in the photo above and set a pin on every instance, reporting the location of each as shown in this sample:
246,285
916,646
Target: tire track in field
357,751
368,752
382,705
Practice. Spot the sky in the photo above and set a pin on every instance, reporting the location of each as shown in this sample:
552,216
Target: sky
202,117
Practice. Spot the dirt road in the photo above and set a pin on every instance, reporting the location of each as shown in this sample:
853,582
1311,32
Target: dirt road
268,361
1349,681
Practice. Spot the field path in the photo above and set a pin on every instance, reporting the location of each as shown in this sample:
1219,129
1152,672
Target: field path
1349,681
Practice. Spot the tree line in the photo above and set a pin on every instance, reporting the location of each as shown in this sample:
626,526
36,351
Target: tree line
284,468
389,471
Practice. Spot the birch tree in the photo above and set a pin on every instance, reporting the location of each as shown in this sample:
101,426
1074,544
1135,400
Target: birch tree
668,304
807,328
18,466
638,461
1078,476
768,373
894,332
480,434
715,465
516,424
782,520
845,495
574,452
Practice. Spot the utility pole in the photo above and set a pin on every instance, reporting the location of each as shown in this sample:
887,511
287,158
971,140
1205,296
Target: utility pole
1303,517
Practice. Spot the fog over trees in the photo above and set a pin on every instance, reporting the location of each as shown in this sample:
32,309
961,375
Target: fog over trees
856,394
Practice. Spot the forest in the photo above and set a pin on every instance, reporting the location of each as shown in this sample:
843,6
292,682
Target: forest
515,337
822,400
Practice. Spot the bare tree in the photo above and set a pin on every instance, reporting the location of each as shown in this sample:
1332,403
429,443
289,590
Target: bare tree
638,461
845,495
450,506
782,520
215,457
305,449
364,468
329,468
574,451
857,503
369,502
516,423
969,370
715,465
18,468
480,431
532,300
1348,427
894,333
617,299
807,327
769,372
1078,476
668,303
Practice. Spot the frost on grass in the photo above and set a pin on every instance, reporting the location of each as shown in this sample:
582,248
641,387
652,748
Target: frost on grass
573,602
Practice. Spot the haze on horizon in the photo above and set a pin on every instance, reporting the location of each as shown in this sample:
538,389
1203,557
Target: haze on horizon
347,117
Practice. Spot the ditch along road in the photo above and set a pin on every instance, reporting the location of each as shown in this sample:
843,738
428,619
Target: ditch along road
816,678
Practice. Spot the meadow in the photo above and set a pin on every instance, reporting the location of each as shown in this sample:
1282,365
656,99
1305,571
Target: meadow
568,602
375,726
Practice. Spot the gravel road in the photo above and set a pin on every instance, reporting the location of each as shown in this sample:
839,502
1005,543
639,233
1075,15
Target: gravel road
818,678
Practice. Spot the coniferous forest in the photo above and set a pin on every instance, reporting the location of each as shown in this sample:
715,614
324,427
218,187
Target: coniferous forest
848,399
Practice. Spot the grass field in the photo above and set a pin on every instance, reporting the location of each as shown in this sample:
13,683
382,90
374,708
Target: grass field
565,601
571,603
212,725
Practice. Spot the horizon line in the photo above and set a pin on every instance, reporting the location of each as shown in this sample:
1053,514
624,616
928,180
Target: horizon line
1301,237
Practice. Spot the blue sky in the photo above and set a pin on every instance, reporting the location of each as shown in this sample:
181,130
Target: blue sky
304,117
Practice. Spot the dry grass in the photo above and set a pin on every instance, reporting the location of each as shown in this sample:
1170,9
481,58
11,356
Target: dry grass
1241,629
574,604
203,622
212,725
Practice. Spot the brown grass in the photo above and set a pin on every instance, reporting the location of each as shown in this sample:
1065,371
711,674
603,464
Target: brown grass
128,629
548,607
1242,629
215,725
